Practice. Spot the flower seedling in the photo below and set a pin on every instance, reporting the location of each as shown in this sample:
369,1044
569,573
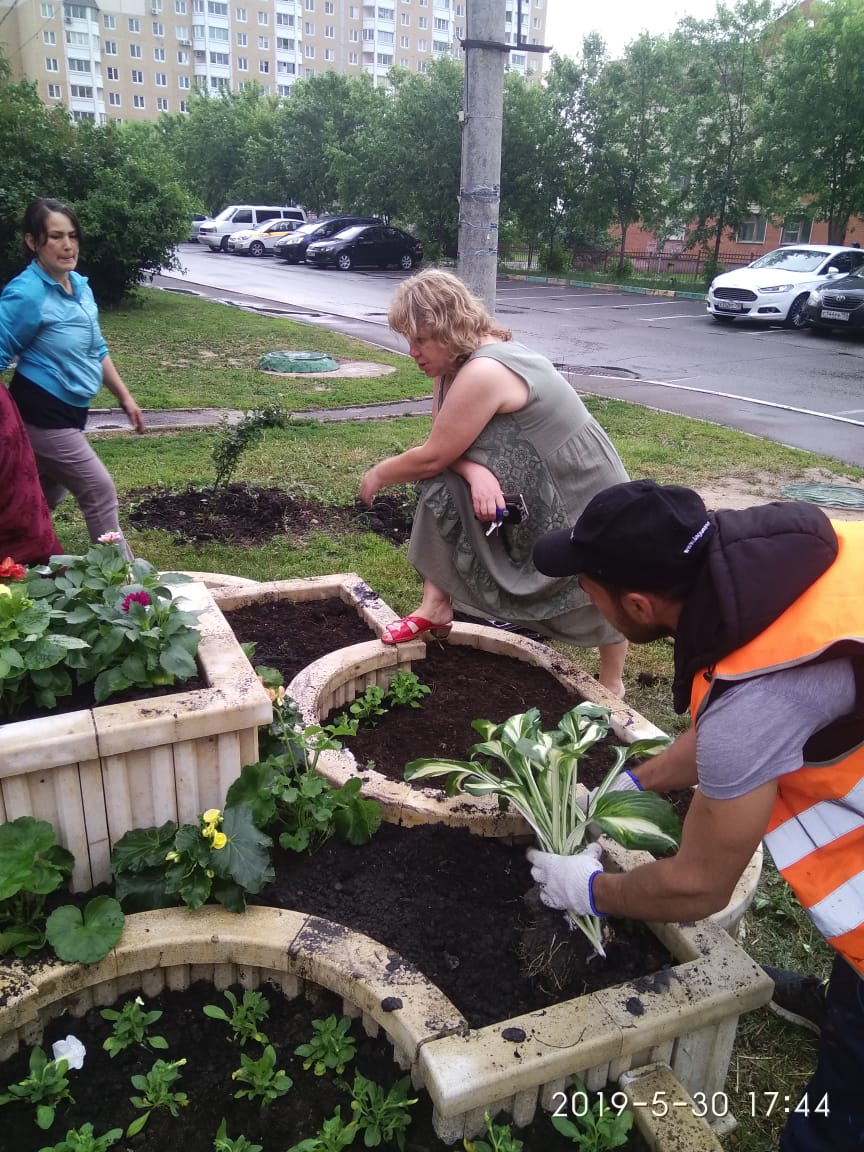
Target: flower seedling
540,779
222,857
331,1047
45,1087
222,1142
32,865
84,1139
262,1079
597,1125
157,1092
382,1116
333,1137
131,1026
500,1139
369,706
245,1017
406,690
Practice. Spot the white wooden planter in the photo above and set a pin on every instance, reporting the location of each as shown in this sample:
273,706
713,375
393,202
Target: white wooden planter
99,772
510,1066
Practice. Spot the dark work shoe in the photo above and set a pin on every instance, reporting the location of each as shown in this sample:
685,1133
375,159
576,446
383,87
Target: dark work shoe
797,998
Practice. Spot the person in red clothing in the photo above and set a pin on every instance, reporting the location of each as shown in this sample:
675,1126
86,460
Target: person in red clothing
26,531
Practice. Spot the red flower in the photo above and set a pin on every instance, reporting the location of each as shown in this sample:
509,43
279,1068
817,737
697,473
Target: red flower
137,598
9,570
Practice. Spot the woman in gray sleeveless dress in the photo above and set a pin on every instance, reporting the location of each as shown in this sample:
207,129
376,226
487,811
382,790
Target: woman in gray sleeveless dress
503,421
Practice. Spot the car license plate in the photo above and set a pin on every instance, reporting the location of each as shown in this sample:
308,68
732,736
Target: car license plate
830,314
728,305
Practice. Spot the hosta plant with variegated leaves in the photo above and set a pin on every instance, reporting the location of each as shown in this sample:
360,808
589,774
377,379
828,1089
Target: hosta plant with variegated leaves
538,773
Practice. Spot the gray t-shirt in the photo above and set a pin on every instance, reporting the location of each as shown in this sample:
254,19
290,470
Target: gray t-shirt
757,730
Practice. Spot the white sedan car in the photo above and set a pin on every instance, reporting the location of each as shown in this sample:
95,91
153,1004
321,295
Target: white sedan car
775,287
261,241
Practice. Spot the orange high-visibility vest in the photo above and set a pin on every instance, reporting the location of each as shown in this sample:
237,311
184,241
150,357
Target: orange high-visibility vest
816,831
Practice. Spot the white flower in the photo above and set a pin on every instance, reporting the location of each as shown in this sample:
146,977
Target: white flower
71,1050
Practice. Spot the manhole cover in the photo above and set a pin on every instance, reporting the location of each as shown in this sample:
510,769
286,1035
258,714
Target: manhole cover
297,362
568,370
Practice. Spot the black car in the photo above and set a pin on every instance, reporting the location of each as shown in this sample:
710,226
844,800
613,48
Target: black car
293,247
837,304
375,245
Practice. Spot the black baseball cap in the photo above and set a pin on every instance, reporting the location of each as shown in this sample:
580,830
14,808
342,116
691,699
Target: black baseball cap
638,535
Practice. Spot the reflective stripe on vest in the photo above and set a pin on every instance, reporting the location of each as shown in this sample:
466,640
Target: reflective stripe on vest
816,830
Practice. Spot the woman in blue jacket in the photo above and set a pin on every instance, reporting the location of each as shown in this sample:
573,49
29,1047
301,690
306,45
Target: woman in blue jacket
49,323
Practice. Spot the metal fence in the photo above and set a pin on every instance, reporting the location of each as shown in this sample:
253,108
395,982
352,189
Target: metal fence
677,264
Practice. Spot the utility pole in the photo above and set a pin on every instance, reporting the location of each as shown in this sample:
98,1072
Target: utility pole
482,117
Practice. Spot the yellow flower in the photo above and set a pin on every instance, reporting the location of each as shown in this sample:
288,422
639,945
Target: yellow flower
171,857
4,590
212,816
219,840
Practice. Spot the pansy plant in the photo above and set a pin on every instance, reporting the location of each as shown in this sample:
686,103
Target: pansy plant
538,773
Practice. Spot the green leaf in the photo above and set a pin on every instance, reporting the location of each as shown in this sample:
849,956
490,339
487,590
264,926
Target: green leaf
246,856
85,938
143,891
142,848
637,820
30,860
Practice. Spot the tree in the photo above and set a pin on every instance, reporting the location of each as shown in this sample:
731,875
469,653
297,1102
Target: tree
718,74
629,137
813,118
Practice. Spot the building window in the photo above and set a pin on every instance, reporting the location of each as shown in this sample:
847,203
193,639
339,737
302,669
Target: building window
353,58
264,43
114,99
162,103
353,13
386,13
47,12
217,33
182,56
179,7
751,231
241,15
183,82
242,64
198,31
112,73
263,19
441,25
354,35
220,58
421,65
310,52
264,66
283,89
158,28
329,32
159,55
309,73
329,7
242,39
161,80
330,54
80,92
55,91
216,8
309,28
285,20
286,67
137,77
404,42
76,11
406,19
74,65
309,5
385,58
135,51
79,39
134,24
138,101
796,231
49,36
182,32
422,46
283,44
423,22
109,22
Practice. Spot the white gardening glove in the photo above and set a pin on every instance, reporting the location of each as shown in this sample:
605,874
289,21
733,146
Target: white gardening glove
566,881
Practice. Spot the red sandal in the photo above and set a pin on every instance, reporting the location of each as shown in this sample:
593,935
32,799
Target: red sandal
411,627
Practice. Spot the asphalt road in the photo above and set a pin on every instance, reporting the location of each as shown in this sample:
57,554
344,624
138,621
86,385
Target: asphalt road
797,388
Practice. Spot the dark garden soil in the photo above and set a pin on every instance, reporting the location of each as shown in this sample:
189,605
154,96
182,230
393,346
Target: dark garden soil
82,698
243,514
102,1089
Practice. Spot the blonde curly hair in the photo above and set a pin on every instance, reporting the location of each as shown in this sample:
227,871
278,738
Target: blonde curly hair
439,305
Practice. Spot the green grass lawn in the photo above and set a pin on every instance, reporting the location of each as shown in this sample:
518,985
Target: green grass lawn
178,352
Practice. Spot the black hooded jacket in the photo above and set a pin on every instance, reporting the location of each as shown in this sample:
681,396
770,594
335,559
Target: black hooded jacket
756,564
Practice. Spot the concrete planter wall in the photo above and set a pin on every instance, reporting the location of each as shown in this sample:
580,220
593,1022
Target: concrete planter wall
511,1066
97,773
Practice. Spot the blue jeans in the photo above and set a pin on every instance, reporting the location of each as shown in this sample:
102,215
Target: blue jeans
839,1075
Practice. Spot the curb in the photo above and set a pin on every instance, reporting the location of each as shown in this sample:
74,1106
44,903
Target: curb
633,289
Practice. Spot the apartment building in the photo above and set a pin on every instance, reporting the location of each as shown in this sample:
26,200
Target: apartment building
135,59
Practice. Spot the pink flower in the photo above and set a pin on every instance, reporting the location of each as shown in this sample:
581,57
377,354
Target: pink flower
110,538
137,598
9,570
